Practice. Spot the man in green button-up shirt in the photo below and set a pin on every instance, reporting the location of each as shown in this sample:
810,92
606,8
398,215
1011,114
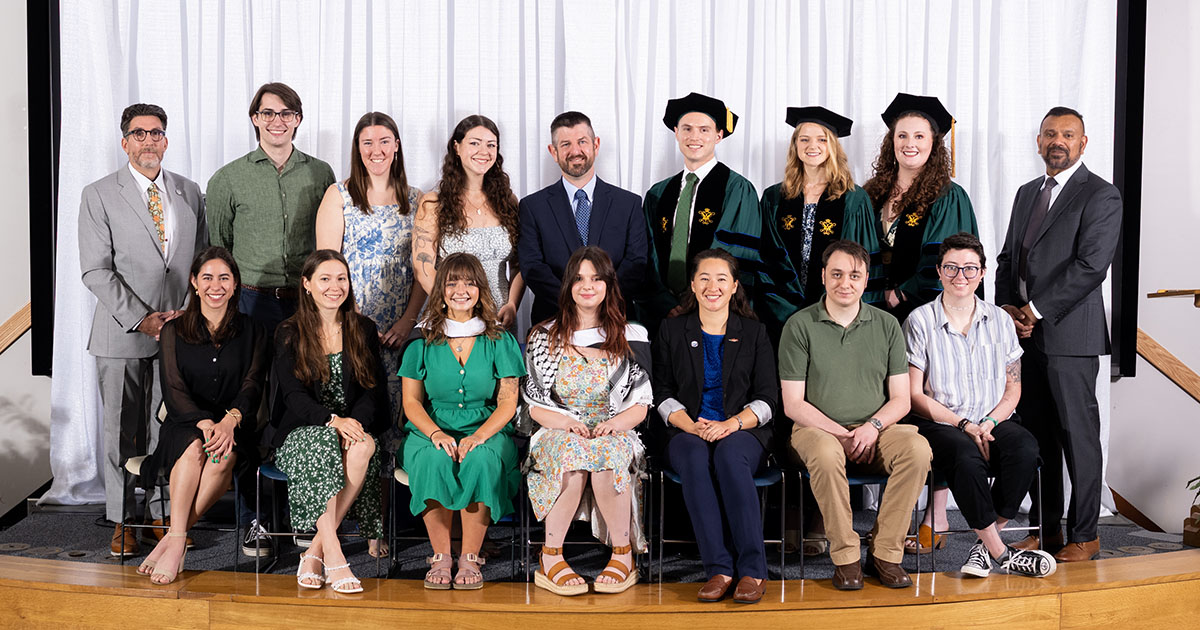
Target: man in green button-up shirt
262,207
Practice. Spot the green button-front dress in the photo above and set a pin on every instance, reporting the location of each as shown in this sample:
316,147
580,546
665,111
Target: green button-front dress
459,399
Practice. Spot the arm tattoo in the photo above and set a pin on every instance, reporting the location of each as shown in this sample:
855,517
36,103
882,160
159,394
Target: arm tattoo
507,389
1013,371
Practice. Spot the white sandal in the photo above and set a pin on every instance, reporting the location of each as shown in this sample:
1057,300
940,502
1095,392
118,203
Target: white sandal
170,576
339,586
309,575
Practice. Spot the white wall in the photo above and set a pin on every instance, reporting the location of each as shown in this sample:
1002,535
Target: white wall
24,399
1155,432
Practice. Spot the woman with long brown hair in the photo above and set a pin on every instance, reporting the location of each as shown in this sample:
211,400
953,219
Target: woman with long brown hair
460,392
918,204
331,389
588,388
214,360
473,210
715,388
816,204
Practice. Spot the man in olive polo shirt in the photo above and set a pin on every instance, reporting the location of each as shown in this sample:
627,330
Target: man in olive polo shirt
844,372
262,207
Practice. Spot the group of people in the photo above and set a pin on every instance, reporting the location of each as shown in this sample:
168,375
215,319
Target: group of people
361,305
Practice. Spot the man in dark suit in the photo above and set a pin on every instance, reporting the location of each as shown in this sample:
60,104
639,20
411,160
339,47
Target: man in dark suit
139,229
1061,239
579,209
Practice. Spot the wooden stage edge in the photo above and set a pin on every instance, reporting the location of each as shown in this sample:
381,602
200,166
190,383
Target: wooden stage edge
1155,591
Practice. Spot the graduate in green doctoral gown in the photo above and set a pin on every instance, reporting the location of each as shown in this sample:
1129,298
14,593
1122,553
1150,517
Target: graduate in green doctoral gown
719,206
918,205
816,204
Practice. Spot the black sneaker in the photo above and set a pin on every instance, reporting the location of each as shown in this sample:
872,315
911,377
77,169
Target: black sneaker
1030,562
256,542
304,539
979,562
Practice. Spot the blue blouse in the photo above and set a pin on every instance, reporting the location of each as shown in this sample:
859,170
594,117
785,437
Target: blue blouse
712,400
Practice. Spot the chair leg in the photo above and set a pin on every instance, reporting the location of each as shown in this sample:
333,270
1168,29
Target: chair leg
124,510
257,514
802,527
662,493
237,521
783,527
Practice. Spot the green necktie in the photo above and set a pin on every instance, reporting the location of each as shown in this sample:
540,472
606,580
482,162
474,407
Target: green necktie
677,266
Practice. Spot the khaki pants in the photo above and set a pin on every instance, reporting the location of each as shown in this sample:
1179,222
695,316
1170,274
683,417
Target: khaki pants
901,453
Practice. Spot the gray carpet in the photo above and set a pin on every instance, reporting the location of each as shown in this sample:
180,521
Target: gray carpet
74,534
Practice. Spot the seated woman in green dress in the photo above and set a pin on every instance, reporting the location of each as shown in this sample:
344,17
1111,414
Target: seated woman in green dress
332,390
588,387
460,392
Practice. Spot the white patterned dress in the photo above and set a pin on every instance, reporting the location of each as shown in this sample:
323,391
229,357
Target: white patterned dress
494,251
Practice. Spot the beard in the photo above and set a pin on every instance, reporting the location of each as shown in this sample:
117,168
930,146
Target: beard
576,169
1057,158
148,160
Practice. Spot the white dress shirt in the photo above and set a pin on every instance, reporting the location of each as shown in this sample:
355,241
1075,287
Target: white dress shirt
1060,182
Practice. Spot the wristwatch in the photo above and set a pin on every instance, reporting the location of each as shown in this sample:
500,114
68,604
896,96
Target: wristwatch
877,424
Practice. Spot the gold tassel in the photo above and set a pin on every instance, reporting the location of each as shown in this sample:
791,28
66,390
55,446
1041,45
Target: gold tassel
953,161
728,120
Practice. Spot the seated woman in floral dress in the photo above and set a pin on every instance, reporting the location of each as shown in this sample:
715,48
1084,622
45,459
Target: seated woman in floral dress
588,388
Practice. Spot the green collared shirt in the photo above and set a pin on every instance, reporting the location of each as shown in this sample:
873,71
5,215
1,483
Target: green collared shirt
844,369
267,218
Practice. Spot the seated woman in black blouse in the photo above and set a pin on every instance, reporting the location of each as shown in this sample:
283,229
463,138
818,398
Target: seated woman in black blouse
332,389
212,366
715,387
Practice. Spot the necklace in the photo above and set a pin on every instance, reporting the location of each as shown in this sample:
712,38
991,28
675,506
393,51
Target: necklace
960,308
459,347
479,207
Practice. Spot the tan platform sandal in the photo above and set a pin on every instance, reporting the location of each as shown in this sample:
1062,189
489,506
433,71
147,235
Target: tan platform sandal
625,576
562,573
170,577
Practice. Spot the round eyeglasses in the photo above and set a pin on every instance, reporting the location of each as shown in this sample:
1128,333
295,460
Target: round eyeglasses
970,272
268,115
141,134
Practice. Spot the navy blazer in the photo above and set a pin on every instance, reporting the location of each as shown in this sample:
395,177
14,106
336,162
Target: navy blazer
549,237
747,370
1067,263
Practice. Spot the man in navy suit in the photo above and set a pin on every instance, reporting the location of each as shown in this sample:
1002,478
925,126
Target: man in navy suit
579,209
1061,239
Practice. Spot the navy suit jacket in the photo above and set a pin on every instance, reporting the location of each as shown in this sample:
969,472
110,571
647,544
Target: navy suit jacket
549,237
1066,265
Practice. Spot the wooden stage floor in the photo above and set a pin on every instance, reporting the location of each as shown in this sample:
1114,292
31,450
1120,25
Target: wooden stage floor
1156,591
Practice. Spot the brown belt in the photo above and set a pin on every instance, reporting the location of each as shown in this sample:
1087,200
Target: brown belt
279,293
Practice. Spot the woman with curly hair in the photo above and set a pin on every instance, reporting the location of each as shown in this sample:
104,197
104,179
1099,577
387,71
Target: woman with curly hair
460,392
588,388
472,210
918,204
816,204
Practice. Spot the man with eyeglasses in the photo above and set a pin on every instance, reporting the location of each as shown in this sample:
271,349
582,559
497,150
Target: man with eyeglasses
262,207
964,372
139,229
1061,240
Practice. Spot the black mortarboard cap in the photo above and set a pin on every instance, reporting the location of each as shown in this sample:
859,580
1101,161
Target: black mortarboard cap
928,106
726,120
839,125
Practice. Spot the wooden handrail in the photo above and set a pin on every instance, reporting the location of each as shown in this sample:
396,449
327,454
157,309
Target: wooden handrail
1168,364
17,325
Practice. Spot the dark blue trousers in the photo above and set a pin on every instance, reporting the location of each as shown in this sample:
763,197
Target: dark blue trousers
718,488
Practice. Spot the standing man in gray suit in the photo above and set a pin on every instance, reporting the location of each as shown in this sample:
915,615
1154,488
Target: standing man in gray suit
1060,242
139,229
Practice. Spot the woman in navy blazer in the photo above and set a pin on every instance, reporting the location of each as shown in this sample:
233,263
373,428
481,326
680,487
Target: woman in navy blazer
715,387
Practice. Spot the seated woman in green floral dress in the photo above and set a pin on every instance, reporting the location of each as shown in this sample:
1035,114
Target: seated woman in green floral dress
460,392
588,387
332,389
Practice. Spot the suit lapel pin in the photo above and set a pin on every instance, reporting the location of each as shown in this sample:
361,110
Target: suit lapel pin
695,344
733,341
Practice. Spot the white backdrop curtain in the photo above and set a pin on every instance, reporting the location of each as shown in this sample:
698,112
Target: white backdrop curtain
998,66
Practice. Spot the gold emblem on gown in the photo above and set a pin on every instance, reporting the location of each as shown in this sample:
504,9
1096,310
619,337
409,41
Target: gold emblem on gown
827,227
706,216
664,224
912,219
789,222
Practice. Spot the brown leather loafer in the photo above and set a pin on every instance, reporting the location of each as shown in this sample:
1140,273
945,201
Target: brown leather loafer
131,544
848,577
1079,551
1051,542
715,588
890,574
749,590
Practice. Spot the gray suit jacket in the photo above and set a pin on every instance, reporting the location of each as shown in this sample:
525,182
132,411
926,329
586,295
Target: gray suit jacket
122,264
1067,263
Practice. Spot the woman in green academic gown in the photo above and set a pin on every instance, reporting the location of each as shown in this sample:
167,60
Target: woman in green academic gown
917,204
816,204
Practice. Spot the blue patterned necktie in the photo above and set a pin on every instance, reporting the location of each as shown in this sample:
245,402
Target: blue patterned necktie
583,214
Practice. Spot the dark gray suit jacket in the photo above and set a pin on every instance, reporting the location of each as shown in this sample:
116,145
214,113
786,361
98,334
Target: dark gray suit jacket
1066,265
122,264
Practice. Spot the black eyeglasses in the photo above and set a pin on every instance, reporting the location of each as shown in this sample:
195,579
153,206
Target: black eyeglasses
970,272
269,115
140,134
